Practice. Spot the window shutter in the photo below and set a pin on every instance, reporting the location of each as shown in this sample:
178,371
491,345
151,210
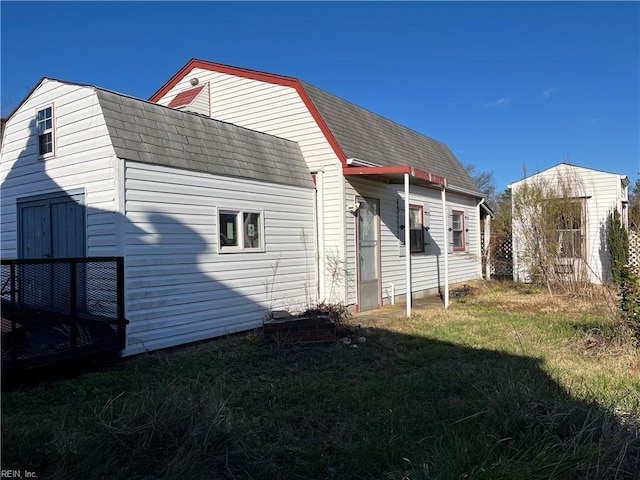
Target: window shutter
449,231
400,227
427,230
467,231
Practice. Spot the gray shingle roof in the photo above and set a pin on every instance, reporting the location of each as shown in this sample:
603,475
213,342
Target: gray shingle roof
151,133
367,136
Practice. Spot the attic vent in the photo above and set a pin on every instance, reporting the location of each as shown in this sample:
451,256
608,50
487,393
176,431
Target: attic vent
186,97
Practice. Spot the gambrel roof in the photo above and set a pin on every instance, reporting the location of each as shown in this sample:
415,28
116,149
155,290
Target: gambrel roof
148,132
368,136
356,133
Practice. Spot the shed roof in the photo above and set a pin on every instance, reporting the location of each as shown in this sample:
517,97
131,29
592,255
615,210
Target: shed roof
565,167
151,133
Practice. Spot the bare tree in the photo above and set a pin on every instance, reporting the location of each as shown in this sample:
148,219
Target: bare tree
486,183
548,231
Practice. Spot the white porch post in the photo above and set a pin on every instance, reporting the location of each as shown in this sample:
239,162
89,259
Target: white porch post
445,245
407,242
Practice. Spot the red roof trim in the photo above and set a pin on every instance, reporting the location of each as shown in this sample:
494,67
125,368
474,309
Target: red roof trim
397,170
261,76
185,97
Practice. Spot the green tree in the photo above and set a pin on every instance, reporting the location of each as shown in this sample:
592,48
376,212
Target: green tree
634,205
618,244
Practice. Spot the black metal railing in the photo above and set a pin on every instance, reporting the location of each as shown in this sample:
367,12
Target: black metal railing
61,308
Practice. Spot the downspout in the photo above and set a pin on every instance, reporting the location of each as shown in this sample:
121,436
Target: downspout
445,244
343,234
407,242
320,233
120,180
487,245
480,252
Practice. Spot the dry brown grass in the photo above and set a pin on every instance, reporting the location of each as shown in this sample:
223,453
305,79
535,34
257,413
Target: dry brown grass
577,333
522,298
493,387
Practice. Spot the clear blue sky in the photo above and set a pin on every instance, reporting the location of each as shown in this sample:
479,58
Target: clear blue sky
504,84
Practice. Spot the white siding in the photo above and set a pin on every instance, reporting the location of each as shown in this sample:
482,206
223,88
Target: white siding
427,269
604,193
179,287
84,160
278,110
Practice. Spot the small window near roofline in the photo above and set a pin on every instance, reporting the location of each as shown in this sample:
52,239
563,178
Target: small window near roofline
45,129
240,231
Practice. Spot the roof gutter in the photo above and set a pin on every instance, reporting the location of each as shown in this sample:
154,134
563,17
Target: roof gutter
356,162
464,191
397,170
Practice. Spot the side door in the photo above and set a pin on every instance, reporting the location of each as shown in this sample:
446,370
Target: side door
368,234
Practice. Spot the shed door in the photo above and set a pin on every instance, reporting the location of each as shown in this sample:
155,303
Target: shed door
35,234
51,227
368,254
68,233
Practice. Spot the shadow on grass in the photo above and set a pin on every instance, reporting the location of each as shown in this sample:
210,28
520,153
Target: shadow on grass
397,406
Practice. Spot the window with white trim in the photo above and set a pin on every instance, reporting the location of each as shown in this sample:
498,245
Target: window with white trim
457,230
416,228
44,126
240,230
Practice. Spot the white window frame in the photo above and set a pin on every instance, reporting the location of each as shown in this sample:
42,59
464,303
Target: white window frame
462,231
41,129
239,219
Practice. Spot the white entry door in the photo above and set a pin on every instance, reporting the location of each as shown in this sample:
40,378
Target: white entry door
368,254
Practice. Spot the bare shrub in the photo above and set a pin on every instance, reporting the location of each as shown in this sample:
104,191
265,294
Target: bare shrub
549,232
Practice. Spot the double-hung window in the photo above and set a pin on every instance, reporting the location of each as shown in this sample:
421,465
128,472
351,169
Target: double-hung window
457,230
240,230
44,127
416,228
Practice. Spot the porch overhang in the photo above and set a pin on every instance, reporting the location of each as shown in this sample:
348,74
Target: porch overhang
395,174
405,175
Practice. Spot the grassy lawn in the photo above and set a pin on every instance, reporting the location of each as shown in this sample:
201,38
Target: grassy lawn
508,383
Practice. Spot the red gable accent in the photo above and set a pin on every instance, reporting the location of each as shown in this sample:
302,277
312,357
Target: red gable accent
261,76
186,97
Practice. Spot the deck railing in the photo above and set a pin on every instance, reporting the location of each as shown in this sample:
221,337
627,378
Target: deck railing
55,309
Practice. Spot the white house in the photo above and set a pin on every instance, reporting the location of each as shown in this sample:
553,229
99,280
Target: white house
231,192
582,235
373,177
215,221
